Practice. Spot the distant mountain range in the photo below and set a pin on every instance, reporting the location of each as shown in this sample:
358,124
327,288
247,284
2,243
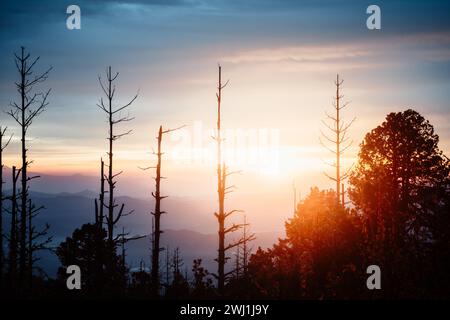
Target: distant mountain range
265,211
194,233
189,224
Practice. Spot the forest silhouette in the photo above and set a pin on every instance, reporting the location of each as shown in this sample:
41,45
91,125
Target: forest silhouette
391,209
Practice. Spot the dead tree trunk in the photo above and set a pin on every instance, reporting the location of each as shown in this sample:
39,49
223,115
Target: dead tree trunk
24,112
102,194
339,139
167,268
99,218
100,204
2,148
114,118
123,241
221,177
152,240
30,243
243,251
222,190
237,266
158,212
294,189
177,264
13,235
246,250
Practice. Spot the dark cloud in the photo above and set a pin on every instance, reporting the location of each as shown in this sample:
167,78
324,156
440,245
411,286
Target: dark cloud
17,13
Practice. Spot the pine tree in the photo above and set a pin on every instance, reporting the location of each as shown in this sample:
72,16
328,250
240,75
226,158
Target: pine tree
400,187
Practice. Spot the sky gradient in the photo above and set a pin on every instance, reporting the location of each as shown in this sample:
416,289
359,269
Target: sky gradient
281,58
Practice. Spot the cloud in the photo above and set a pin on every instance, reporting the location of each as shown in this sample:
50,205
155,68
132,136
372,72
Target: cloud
301,54
429,46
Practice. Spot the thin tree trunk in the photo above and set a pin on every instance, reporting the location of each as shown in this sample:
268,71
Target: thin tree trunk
23,195
221,215
102,195
158,212
238,262
30,106
110,167
338,149
221,193
111,220
245,249
30,244
167,268
99,223
339,139
157,215
13,231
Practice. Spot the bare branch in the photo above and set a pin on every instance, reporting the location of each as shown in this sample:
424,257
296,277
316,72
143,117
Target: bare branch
241,241
326,147
329,177
329,127
231,212
2,134
126,105
170,130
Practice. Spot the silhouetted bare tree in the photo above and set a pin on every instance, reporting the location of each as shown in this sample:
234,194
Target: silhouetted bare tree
243,251
123,264
31,105
156,227
114,117
237,262
179,288
246,249
339,130
222,190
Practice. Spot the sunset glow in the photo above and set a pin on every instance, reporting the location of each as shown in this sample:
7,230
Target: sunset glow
225,149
